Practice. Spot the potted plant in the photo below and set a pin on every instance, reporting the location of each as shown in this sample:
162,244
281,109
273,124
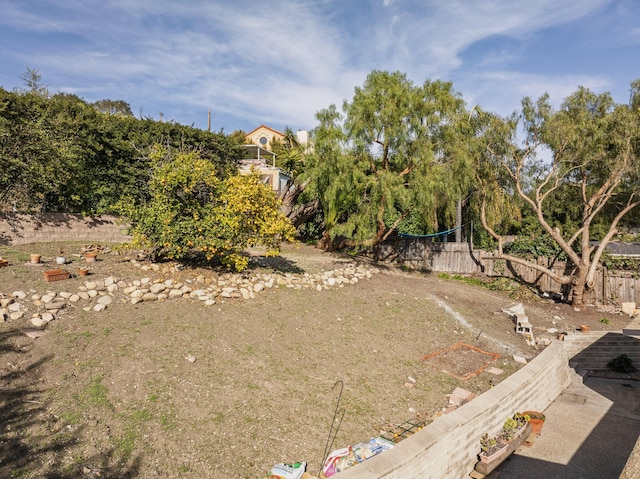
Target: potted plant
35,258
60,259
90,257
536,419
491,448
83,271
496,449
513,426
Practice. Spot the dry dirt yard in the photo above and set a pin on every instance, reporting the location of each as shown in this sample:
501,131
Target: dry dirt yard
118,394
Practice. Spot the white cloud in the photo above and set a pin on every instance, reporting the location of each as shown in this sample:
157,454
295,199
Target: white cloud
283,60
513,87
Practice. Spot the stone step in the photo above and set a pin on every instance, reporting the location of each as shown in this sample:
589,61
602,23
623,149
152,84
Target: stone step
617,337
633,329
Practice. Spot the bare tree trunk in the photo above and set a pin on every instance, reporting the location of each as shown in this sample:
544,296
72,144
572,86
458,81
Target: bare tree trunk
579,287
303,213
298,214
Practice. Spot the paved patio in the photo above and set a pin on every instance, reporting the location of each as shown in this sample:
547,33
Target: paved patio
590,432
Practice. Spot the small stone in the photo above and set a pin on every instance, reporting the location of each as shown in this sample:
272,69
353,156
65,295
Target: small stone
157,288
149,297
38,322
74,298
175,293
48,317
106,300
519,359
47,298
55,305
191,358
99,307
19,294
14,307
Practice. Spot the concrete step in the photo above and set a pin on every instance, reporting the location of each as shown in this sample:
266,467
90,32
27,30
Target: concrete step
594,350
632,329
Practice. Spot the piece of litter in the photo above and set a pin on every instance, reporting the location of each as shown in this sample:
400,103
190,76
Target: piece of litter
191,358
494,371
288,471
411,379
32,332
460,396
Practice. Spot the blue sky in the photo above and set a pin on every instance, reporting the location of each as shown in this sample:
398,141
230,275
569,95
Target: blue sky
278,62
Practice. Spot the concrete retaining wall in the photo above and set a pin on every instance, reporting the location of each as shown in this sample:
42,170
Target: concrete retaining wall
18,229
448,447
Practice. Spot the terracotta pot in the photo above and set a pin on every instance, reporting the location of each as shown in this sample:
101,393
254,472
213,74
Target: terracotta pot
584,328
90,257
536,424
56,275
83,272
35,258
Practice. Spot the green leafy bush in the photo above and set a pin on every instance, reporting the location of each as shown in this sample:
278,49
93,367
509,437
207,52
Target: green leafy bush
191,209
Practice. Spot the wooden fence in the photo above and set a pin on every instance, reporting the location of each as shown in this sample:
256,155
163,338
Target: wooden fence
460,258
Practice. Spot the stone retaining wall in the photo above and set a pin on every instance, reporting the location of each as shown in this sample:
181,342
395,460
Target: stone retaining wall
448,447
18,228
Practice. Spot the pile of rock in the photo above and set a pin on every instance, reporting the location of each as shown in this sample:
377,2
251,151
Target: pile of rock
209,290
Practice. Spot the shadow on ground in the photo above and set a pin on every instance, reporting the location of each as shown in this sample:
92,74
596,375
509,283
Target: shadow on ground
34,442
590,432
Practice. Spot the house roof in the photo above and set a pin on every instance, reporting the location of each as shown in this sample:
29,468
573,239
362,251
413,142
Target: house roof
266,127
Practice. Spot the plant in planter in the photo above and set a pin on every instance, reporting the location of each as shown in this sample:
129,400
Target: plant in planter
491,447
512,427
60,259
536,419
497,448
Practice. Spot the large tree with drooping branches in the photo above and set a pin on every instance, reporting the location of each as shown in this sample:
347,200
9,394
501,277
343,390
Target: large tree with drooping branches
587,152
